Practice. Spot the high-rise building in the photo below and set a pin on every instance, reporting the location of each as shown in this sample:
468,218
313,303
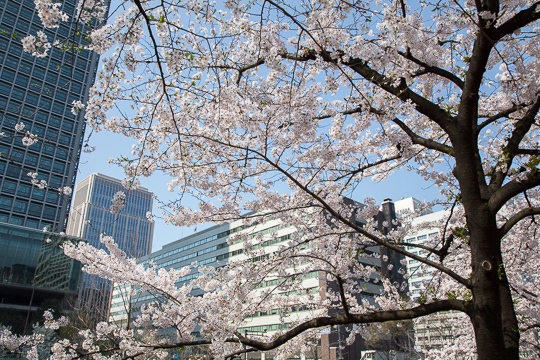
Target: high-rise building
39,91
34,274
91,216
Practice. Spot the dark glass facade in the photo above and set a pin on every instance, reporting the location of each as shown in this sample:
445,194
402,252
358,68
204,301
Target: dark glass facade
39,92
34,270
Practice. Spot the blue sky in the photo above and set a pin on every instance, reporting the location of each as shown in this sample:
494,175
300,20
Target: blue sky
109,145
402,184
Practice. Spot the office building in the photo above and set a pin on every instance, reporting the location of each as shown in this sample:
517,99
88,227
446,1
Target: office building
214,247
39,91
438,330
91,216
35,274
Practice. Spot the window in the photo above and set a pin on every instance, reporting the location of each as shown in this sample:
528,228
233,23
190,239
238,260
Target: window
9,187
45,163
5,202
20,206
38,194
35,209
24,190
8,75
49,212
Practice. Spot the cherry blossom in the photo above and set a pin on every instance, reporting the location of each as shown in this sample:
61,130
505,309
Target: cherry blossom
283,109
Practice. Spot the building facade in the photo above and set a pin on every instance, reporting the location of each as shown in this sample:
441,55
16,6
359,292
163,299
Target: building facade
39,91
91,216
34,271
212,247
438,330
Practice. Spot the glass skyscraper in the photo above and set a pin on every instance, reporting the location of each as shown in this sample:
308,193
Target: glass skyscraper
39,92
91,216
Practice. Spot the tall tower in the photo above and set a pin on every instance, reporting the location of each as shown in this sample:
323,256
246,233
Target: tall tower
91,216
39,92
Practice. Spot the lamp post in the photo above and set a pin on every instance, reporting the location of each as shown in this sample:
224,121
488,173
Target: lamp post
30,304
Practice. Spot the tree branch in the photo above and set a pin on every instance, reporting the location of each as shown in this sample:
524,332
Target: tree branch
417,139
518,21
433,69
525,213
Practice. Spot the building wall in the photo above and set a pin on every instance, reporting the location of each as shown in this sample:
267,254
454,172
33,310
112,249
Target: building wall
34,269
211,248
429,332
39,93
91,216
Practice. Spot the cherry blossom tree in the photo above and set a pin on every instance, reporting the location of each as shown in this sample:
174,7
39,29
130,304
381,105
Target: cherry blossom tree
284,108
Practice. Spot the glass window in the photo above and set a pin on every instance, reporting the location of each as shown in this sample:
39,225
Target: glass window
15,48
17,155
5,202
38,130
32,98
45,103
14,106
55,121
25,67
8,19
31,223
26,13
13,7
64,139
35,209
38,194
9,187
55,181
60,95
22,80
8,75
16,220
51,135
51,77
67,125
48,149
20,206
22,25
58,167
3,44
38,72
17,93
24,190
61,153
58,108
12,62
49,212
78,75
52,197
45,163
13,171
31,159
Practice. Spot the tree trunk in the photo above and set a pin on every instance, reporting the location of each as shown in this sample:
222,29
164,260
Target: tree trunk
488,316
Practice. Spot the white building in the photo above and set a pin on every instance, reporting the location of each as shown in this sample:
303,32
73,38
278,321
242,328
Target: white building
210,247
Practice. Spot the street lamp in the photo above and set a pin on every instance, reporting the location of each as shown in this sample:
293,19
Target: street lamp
30,304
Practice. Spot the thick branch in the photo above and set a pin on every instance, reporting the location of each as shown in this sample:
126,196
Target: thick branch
417,139
433,69
377,317
511,189
498,116
521,128
525,213
518,21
